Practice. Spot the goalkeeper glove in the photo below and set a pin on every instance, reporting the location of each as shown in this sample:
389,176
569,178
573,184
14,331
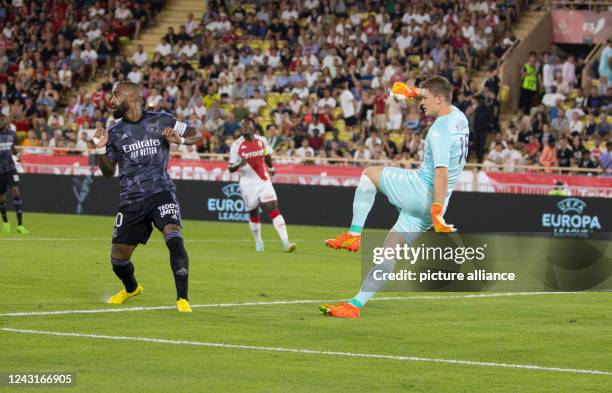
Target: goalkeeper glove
402,91
438,221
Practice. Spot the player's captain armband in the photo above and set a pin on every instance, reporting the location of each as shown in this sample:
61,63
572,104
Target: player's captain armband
180,127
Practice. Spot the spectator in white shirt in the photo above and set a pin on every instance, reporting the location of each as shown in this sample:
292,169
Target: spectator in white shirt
289,14
135,75
426,64
361,153
164,48
190,25
394,113
199,109
326,100
65,76
189,49
495,158
548,73
94,33
305,151
82,142
552,97
182,109
301,90
349,106
296,104
172,89
404,41
511,157
154,99
576,125
90,58
256,103
140,56
123,13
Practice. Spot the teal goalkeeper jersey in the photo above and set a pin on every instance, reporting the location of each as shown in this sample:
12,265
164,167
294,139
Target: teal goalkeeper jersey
446,145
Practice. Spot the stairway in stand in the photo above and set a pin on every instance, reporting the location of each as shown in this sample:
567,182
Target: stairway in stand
174,14
528,20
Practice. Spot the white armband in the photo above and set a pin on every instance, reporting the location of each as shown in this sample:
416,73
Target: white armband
101,150
180,127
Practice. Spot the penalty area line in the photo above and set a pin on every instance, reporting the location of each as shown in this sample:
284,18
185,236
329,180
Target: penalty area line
277,302
310,351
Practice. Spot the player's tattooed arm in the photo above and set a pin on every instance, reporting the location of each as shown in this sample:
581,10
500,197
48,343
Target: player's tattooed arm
106,165
190,136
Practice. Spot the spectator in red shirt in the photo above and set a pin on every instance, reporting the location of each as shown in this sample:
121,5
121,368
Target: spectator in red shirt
380,109
315,141
533,148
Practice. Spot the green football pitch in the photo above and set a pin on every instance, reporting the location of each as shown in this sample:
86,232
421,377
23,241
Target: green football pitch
256,325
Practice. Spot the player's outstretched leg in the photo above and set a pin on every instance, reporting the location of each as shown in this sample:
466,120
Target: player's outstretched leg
124,269
362,204
255,226
179,262
6,227
279,224
370,285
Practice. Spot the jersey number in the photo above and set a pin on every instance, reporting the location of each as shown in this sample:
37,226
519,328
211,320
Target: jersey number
464,147
119,220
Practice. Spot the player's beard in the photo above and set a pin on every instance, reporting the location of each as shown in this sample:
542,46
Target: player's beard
121,110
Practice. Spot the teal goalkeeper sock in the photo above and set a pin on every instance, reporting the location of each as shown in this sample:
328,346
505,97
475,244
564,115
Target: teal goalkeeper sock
361,298
362,204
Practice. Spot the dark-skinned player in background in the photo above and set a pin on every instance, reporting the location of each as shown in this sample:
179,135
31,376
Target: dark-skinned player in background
9,179
250,154
140,144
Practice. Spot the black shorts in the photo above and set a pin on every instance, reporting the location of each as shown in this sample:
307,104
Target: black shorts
134,223
8,180
350,121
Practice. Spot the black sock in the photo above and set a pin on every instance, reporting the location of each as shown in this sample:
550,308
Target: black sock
125,271
3,212
18,202
179,262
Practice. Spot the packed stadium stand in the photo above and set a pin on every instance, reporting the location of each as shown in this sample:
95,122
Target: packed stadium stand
316,75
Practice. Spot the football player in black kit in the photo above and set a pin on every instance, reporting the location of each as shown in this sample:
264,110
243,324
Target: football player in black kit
140,144
9,179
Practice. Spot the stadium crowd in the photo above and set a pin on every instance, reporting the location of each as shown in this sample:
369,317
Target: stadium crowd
48,48
315,74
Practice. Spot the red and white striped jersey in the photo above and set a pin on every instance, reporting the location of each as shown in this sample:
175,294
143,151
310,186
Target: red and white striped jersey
253,152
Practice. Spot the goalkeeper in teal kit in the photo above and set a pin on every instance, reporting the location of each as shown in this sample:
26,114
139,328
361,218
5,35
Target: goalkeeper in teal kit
421,196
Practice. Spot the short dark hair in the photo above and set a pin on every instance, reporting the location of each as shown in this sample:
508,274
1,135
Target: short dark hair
439,86
134,88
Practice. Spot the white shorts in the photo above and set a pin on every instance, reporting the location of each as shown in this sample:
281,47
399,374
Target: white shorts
256,192
395,122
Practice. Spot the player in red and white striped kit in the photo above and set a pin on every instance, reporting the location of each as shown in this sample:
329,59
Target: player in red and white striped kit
250,154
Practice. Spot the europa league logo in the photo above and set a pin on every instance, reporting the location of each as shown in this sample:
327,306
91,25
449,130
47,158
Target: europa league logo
81,189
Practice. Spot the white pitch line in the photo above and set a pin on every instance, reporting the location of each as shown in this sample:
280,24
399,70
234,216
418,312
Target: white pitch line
188,240
311,352
276,302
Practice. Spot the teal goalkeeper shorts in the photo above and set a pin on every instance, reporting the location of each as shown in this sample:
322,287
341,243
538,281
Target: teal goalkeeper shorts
406,191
